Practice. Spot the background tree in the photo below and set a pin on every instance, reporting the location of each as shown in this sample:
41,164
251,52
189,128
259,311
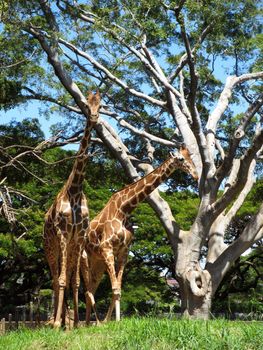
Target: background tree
155,65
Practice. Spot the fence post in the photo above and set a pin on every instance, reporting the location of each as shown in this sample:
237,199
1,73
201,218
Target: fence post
31,313
16,316
24,314
50,308
69,320
37,313
10,322
46,310
3,326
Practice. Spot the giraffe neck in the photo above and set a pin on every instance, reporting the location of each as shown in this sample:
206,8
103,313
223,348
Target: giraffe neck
74,185
136,192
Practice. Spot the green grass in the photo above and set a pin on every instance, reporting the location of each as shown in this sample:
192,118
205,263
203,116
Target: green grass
142,334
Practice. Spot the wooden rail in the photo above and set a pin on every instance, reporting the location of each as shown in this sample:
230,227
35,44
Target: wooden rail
35,320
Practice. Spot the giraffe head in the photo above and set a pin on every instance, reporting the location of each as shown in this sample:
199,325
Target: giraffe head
185,162
93,104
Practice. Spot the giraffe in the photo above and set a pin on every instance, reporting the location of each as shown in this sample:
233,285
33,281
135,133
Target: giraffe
66,223
109,235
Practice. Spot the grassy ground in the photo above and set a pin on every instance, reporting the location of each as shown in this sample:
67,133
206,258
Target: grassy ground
142,334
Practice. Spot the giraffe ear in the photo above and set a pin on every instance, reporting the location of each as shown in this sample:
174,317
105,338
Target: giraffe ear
89,95
97,96
183,146
184,151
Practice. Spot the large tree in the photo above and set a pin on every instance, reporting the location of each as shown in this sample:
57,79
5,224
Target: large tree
157,66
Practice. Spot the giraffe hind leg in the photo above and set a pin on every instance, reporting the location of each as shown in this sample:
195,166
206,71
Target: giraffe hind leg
92,273
54,270
95,279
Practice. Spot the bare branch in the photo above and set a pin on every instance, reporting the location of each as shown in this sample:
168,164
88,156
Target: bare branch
53,57
208,165
252,110
150,150
182,99
238,135
148,63
242,195
220,149
241,178
6,208
112,77
185,130
217,232
159,71
259,235
184,59
191,64
122,122
82,68
40,97
18,62
51,20
251,232
21,194
222,104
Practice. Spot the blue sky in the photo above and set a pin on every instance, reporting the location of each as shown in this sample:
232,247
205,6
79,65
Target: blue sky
30,110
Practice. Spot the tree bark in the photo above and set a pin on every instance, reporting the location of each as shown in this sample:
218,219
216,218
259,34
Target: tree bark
193,306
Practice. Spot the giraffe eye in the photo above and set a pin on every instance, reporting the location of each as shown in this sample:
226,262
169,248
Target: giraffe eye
181,159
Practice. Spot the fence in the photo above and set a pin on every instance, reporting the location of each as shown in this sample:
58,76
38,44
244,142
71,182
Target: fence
30,319
27,316
24,316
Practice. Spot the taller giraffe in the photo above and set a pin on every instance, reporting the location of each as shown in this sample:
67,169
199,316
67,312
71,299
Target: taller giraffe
108,236
66,223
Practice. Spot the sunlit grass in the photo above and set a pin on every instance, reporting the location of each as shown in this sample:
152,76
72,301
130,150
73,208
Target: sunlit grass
143,334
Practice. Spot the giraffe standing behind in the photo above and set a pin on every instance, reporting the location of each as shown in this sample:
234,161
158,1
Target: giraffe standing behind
66,223
109,236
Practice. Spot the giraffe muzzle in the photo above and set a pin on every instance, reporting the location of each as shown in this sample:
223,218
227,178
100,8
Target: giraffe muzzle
94,117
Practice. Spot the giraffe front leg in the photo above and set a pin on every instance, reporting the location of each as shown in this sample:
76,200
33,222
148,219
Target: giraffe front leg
116,298
85,272
76,303
75,287
121,265
116,290
115,303
61,280
56,292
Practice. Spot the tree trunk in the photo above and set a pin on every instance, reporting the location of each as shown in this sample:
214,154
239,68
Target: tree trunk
195,282
193,306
